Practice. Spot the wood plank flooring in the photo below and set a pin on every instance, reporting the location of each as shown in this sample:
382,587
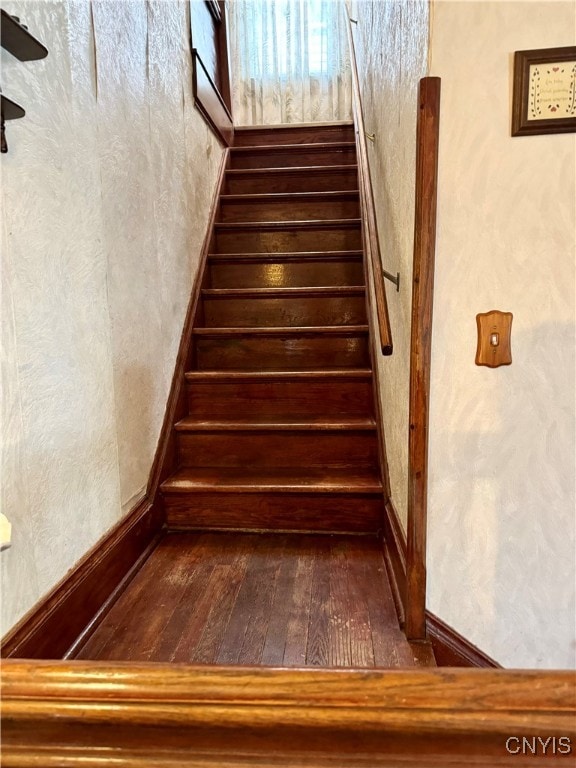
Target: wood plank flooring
257,599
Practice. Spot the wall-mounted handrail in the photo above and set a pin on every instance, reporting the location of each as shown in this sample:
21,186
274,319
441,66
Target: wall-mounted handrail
370,230
427,135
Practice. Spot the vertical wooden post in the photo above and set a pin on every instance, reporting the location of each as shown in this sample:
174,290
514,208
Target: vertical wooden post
420,348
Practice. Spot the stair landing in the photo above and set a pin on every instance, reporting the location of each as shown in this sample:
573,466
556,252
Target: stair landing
284,600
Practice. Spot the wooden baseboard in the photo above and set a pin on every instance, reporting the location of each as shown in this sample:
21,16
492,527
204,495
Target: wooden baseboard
176,407
55,623
453,650
395,556
450,648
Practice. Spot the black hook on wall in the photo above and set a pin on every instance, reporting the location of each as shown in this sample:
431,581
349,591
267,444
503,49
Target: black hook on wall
16,39
393,279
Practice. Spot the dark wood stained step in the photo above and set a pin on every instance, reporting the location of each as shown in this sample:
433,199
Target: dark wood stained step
296,224
306,512
326,330
281,349
213,377
289,207
273,395
191,424
276,448
288,237
284,306
290,270
311,178
291,155
302,133
263,258
288,197
282,293
279,498
297,148
277,480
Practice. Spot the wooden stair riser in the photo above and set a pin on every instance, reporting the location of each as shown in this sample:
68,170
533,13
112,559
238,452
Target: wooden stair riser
298,311
297,134
280,399
286,273
288,238
288,208
278,157
352,513
278,449
274,353
307,179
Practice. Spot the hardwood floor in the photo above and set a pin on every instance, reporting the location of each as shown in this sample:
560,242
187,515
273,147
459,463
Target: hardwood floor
258,599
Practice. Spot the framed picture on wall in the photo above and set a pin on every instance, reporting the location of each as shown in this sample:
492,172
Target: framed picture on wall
544,94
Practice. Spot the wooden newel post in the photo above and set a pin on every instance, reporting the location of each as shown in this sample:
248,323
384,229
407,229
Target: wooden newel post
420,349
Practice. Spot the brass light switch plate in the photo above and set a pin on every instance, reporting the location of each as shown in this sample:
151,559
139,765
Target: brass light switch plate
494,330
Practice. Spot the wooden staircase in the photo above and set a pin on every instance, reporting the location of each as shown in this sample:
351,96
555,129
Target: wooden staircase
279,431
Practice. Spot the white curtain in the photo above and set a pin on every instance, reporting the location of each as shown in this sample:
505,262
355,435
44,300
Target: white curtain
290,61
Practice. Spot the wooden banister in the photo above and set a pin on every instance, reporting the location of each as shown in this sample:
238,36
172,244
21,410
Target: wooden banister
91,713
369,226
420,351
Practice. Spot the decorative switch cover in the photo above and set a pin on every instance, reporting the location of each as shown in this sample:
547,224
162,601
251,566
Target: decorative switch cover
494,331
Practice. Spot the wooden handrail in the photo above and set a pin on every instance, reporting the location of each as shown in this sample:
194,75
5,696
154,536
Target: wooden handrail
420,351
369,228
98,713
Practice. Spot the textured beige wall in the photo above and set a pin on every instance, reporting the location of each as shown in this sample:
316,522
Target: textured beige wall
105,197
501,550
391,40
501,547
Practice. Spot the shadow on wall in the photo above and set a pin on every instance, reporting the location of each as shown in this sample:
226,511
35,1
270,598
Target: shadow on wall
502,527
137,391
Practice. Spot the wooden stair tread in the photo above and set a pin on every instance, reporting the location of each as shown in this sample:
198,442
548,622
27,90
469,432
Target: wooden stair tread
293,256
219,376
316,125
287,293
319,146
330,234
276,479
190,424
300,224
340,150
293,133
286,330
288,205
292,170
267,175
266,197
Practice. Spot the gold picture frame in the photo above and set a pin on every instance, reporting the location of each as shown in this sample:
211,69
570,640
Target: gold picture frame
544,93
